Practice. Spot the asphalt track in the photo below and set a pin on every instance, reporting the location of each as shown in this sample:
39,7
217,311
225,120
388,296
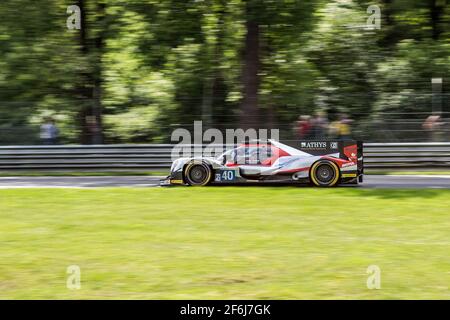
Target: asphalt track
370,181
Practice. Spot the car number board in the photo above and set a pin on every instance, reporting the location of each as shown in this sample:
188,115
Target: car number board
225,175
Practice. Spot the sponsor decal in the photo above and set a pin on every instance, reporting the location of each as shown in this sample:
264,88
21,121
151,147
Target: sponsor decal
349,164
313,145
176,181
333,145
349,175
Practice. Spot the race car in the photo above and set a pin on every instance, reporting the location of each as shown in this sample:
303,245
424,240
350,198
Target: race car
320,163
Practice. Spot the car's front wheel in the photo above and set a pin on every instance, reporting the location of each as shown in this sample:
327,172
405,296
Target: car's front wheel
324,173
197,174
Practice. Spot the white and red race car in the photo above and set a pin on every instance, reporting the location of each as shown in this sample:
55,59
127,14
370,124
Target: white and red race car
321,163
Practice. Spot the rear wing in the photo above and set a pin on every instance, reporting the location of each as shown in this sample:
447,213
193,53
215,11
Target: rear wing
360,157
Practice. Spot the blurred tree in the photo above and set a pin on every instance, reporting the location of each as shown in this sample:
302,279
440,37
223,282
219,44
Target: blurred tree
271,27
139,68
37,67
91,44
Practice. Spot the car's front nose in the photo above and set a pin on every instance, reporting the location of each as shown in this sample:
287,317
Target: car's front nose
176,172
174,178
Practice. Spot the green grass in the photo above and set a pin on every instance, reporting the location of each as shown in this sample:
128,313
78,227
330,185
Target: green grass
224,243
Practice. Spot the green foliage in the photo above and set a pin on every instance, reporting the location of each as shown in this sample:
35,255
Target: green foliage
164,63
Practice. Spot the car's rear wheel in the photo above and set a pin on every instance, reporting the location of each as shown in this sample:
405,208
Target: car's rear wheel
197,174
324,173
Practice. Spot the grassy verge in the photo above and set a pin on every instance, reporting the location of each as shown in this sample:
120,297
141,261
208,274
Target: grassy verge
221,243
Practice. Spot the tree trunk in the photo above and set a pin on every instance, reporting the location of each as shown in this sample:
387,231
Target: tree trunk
207,101
390,36
89,90
249,108
435,14
211,92
82,90
270,117
97,136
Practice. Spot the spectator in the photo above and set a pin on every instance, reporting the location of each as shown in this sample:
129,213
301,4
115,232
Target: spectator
431,126
303,127
49,132
344,130
320,125
333,129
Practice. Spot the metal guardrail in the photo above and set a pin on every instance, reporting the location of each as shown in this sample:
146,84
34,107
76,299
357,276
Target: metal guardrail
433,155
147,157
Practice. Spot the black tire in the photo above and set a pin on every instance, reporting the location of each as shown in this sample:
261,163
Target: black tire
324,173
197,174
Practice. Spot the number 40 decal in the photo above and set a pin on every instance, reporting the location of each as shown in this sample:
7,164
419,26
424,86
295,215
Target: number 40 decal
227,175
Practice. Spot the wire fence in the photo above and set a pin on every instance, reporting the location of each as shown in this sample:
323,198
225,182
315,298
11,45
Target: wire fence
380,127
